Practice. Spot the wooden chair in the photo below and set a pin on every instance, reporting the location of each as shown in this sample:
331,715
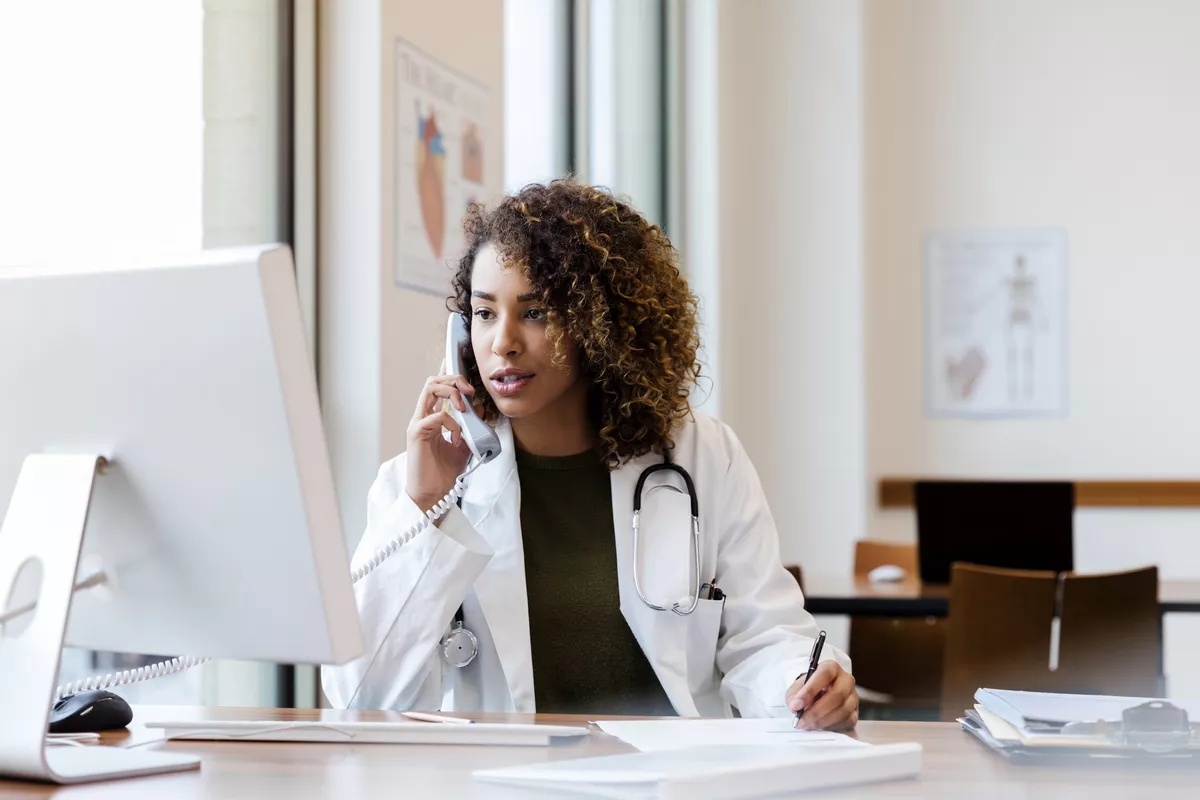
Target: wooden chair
1111,637
898,658
1000,633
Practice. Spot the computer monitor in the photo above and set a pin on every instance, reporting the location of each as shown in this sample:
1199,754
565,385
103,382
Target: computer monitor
1010,524
215,517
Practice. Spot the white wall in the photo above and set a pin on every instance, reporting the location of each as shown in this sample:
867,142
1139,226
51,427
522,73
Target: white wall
378,343
349,246
1074,114
790,340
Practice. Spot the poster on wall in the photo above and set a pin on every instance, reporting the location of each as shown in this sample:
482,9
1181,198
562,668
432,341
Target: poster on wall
441,149
996,323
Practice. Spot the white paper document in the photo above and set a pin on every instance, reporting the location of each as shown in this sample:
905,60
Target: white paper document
653,735
717,772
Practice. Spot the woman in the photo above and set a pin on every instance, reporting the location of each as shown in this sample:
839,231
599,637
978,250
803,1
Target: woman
583,354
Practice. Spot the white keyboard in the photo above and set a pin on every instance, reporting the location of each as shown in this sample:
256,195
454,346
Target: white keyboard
477,733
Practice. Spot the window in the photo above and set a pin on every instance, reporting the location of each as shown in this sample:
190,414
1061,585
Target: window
150,126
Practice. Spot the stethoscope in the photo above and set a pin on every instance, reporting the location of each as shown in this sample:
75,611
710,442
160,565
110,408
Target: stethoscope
668,466
459,645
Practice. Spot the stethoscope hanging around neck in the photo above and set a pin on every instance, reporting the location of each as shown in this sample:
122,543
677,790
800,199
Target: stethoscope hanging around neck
460,646
667,465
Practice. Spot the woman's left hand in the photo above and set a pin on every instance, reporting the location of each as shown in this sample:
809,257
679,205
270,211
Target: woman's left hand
829,699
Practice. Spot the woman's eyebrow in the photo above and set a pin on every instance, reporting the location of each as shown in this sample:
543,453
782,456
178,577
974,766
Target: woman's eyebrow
524,298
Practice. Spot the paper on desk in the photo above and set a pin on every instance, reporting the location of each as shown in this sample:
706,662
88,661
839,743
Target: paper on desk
1000,729
715,772
672,734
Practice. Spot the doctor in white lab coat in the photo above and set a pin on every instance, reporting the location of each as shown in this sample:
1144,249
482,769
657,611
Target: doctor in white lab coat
558,280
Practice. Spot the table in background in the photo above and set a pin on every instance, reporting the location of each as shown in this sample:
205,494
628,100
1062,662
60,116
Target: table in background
956,766
845,594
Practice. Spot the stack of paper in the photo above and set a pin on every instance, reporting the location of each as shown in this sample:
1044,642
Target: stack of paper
716,772
649,735
1030,725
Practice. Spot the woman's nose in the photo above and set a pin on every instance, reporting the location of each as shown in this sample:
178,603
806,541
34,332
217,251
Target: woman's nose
508,341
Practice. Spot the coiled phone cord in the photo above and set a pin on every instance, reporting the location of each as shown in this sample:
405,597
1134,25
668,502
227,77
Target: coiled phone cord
129,676
181,663
431,516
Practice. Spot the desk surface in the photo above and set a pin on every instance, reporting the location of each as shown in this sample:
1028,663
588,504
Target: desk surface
846,594
955,766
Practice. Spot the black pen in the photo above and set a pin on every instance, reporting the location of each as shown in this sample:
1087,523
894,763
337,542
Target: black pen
812,664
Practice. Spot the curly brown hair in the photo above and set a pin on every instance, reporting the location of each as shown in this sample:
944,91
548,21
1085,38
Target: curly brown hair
611,283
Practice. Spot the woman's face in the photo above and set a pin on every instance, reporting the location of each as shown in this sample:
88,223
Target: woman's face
508,336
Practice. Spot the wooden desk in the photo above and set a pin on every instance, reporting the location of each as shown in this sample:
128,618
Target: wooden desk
956,766
845,594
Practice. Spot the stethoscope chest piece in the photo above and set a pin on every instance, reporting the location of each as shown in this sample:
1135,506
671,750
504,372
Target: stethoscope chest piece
459,646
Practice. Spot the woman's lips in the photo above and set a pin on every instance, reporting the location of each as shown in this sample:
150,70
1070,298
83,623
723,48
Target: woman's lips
507,384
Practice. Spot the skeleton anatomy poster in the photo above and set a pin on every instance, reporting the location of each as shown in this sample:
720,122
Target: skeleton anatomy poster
996,323
441,148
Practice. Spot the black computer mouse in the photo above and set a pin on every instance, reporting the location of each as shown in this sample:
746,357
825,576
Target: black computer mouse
90,712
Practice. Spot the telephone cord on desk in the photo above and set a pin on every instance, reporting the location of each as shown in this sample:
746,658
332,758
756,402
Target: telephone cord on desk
129,676
182,663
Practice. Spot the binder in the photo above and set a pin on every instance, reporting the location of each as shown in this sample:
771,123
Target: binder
1036,726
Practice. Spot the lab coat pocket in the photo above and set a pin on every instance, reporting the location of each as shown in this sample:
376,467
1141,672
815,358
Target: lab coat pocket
704,630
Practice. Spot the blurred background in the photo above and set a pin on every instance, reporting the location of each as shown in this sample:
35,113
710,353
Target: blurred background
815,162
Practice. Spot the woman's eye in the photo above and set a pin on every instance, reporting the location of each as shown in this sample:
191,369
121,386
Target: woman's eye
483,313
536,314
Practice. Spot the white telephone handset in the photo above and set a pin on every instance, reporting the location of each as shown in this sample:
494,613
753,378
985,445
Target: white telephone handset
485,446
482,440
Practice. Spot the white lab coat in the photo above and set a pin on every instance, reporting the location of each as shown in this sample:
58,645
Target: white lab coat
743,651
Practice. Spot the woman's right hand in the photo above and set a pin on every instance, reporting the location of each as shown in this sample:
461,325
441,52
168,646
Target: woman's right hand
434,463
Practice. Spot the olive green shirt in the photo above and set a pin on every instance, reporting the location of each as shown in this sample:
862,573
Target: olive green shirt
585,658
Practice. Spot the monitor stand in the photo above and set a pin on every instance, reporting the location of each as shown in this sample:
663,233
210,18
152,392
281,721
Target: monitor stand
43,533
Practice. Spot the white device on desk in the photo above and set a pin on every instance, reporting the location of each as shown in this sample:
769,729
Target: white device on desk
887,573
476,733
172,410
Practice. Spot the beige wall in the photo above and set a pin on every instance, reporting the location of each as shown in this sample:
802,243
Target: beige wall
378,342
788,331
1066,113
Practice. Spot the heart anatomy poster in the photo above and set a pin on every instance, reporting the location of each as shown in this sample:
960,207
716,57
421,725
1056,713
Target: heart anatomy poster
441,150
996,323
